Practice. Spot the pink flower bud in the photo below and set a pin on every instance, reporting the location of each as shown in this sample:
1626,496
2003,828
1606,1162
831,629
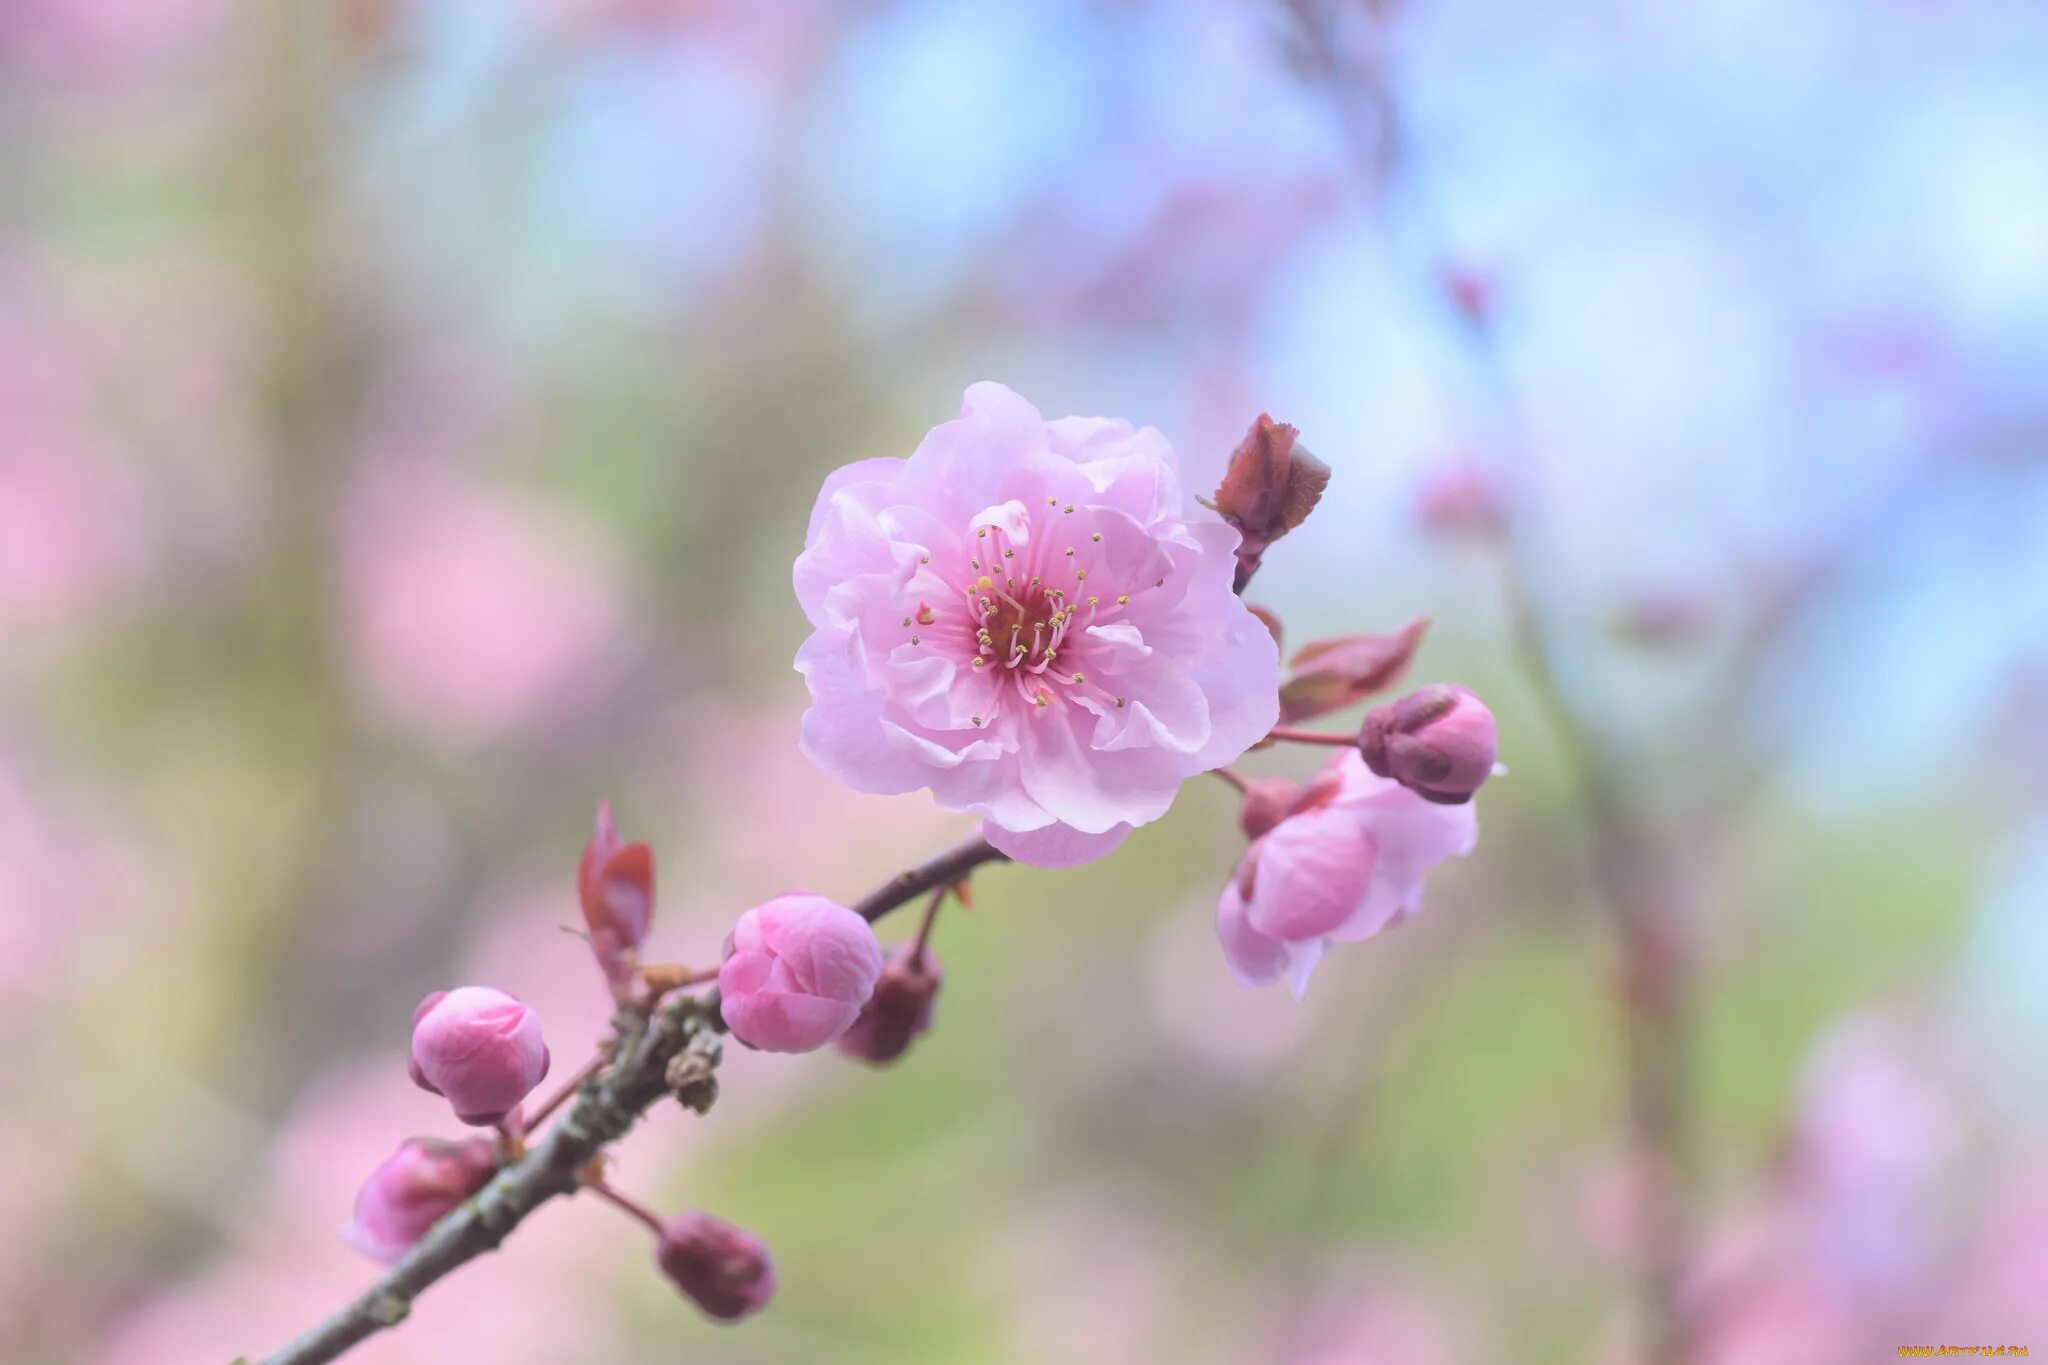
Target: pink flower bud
899,1010
723,1269
1438,742
480,1048
1266,804
615,882
796,973
414,1188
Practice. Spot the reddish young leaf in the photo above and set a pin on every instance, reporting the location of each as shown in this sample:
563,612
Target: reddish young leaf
1329,675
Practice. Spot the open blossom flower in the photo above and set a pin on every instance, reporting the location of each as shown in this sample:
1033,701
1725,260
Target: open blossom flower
796,973
412,1190
480,1048
1019,618
1345,864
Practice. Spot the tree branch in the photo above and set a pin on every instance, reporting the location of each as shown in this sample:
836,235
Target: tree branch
607,1106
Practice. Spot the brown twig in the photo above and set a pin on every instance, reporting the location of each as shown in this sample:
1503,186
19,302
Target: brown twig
605,1109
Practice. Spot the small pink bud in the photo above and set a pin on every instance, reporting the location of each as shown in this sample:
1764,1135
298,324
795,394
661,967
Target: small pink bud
723,1269
615,882
1266,804
414,1188
1438,741
899,1010
480,1048
796,973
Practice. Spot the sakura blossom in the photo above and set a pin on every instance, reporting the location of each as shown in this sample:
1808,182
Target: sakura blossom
1023,617
1347,862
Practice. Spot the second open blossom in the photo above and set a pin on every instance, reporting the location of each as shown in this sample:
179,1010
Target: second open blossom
1019,617
1343,864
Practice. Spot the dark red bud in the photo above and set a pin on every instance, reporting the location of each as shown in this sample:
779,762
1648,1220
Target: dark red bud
898,1012
724,1270
1438,741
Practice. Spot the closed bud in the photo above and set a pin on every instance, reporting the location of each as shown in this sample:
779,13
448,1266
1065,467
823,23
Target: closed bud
415,1187
1270,486
898,1011
1438,741
1266,803
796,973
480,1048
724,1270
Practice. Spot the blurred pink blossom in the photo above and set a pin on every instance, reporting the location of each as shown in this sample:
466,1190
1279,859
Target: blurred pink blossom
470,613
413,1189
1019,618
131,41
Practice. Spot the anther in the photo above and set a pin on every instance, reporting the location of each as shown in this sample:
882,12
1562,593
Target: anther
982,532
914,640
1123,599
1119,703
1069,508
1079,678
1096,537
980,662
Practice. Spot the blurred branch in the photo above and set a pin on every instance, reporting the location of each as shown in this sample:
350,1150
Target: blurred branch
606,1108
1628,862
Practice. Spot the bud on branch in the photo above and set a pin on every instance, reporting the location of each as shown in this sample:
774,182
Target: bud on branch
1271,486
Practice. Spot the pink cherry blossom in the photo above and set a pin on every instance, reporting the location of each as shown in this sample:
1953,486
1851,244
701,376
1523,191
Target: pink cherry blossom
797,972
480,1048
1347,863
412,1190
1020,618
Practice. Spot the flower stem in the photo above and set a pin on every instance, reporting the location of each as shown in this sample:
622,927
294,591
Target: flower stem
1289,733
626,1204
924,927
1234,778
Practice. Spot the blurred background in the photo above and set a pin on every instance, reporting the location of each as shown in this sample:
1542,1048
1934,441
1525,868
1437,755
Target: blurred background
409,410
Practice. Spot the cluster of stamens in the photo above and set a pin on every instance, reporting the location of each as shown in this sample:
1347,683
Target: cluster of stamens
1020,621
